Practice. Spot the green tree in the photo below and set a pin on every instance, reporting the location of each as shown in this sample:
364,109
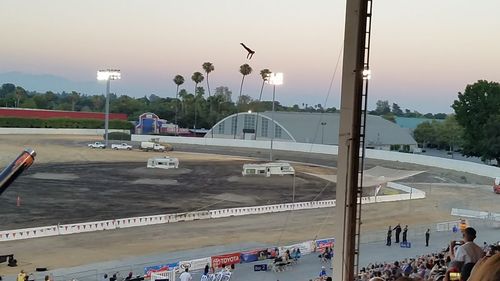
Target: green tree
75,97
208,67
476,109
389,117
396,110
425,133
382,107
178,80
197,77
449,133
264,74
245,70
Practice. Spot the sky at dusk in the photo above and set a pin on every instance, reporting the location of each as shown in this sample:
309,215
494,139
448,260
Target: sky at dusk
423,52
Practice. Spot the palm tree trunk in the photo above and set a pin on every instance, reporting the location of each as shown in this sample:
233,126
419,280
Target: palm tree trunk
238,106
257,118
210,107
176,109
195,86
208,87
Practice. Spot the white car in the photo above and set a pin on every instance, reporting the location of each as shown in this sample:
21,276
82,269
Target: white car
97,144
121,146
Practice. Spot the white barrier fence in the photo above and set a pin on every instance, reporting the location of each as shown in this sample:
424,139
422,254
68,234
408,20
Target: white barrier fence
57,131
64,229
447,226
475,214
162,275
451,164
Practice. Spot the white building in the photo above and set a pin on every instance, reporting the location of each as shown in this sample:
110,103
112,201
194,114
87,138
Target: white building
305,127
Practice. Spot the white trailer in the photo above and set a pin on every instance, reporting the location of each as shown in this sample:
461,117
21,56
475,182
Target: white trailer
147,146
163,162
268,169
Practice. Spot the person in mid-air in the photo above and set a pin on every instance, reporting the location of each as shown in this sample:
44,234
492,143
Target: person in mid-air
250,52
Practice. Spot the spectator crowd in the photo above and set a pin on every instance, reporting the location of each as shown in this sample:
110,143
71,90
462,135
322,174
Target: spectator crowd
462,260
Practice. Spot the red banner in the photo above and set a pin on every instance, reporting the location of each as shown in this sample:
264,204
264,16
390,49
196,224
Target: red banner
227,259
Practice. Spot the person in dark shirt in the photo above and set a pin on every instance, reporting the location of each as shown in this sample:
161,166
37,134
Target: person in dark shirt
398,232
389,236
405,234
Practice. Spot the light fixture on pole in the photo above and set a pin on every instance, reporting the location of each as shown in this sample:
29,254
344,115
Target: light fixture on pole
367,74
274,79
323,124
107,75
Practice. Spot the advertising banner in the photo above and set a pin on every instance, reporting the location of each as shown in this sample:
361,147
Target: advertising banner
156,268
323,243
195,264
251,256
227,259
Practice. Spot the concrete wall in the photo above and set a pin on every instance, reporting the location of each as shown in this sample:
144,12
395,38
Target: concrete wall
54,131
451,164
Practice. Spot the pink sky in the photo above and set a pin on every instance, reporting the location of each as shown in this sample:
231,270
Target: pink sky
423,52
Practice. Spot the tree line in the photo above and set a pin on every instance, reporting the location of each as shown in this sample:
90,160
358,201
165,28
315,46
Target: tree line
383,108
190,107
474,128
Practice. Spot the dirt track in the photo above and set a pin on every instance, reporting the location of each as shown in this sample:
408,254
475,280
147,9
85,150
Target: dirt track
441,186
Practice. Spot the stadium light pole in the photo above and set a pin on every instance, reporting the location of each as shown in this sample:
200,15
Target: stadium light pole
107,75
322,131
274,79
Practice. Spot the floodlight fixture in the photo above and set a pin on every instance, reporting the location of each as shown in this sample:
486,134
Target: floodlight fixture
250,111
108,74
275,78
367,74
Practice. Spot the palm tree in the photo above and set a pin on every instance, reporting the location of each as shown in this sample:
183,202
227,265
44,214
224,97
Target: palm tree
197,77
178,80
208,67
264,73
245,70
75,96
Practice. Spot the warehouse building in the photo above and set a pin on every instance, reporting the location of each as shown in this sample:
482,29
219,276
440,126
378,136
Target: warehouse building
305,127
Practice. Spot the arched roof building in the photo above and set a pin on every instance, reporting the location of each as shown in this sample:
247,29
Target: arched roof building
305,127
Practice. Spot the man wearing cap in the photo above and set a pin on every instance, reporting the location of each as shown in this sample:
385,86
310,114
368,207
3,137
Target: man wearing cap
469,252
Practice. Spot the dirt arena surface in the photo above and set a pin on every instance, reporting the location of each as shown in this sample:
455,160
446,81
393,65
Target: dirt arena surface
80,192
445,190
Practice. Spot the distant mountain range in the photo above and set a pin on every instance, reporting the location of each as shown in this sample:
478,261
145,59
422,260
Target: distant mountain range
47,82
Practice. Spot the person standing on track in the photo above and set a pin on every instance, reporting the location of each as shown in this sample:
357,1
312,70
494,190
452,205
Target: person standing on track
405,234
389,236
398,232
427,236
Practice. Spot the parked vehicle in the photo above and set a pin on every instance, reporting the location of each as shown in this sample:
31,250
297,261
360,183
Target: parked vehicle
496,185
121,146
97,144
148,146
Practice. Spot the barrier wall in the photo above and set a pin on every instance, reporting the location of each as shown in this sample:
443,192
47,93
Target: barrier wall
64,229
457,165
464,213
447,226
54,131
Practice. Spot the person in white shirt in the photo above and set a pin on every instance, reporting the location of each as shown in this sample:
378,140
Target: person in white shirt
469,252
186,276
